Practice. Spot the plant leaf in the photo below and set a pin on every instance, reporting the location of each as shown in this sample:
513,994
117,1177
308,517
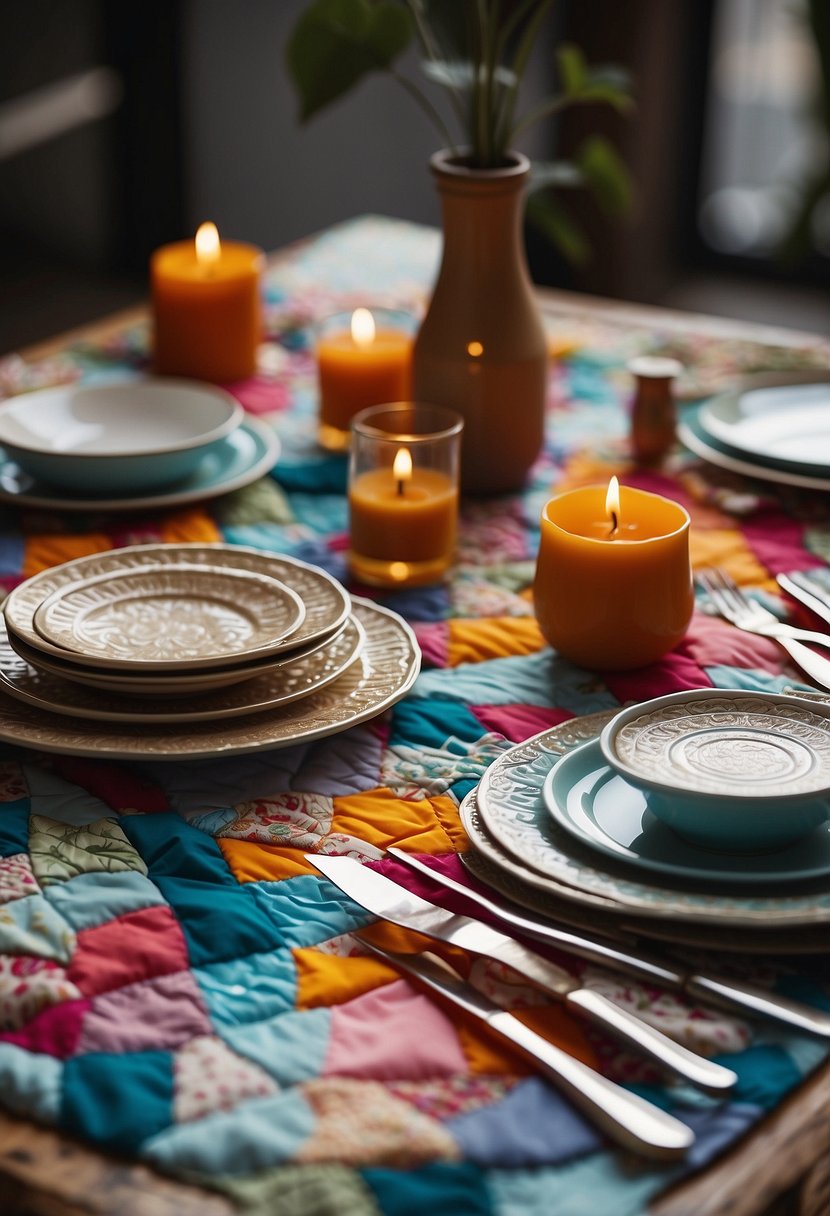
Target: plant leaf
335,43
559,228
605,175
572,70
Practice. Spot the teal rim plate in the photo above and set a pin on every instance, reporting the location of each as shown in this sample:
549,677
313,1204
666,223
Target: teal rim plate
697,440
245,455
778,424
599,808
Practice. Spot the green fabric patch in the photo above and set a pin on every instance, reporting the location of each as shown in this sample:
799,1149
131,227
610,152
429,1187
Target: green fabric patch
297,1190
60,851
262,502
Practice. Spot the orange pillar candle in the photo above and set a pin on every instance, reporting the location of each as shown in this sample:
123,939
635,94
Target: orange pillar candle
613,587
207,311
403,494
363,359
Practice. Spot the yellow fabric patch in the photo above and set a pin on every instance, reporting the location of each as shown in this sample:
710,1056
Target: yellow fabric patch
194,525
50,549
251,861
486,1055
474,641
728,549
381,818
328,979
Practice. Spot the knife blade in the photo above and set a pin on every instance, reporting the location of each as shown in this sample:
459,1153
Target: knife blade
649,966
624,1117
802,588
387,899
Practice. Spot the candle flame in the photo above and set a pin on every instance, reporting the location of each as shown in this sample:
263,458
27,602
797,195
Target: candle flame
208,246
363,327
402,466
612,504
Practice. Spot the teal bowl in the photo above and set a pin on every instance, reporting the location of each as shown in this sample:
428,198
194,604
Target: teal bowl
737,771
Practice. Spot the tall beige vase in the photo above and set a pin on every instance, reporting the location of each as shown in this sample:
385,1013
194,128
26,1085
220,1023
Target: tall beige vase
481,348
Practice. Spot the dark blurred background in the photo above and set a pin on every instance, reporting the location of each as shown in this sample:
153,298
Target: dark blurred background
125,125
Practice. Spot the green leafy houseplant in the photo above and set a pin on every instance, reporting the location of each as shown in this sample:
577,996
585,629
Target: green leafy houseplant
477,52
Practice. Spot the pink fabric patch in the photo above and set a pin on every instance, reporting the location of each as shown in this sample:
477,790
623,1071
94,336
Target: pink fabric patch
134,947
518,722
778,542
54,1032
674,673
209,1077
28,985
155,1015
392,1033
433,638
260,395
17,878
712,642
118,788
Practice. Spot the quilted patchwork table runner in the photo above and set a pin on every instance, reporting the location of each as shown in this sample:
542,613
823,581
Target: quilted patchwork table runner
179,985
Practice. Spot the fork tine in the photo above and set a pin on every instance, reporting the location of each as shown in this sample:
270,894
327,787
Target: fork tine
723,592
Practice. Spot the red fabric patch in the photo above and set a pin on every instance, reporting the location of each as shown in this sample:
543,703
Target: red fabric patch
138,946
260,395
54,1032
519,722
674,673
778,542
712,642
433,638
118,788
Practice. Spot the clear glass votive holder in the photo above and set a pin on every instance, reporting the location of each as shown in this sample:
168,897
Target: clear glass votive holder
364,358
403,493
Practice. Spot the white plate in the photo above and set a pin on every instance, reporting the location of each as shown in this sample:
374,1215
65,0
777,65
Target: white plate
383,673
780,423
691,434
172,617
326,601
511,805
168,684
244,456
286,682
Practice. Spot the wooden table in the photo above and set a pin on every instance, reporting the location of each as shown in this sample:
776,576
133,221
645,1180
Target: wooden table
783,1166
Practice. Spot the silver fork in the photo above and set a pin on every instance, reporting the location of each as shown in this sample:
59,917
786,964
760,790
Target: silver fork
732,604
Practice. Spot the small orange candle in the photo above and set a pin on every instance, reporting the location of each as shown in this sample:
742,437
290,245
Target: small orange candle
206,307
403,507
359,363
613,587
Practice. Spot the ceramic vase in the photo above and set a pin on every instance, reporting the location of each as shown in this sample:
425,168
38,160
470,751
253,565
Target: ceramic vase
481,348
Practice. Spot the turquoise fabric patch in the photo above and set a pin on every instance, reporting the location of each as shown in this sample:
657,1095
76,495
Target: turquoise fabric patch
33,926
219,922
765,1074
300,910
802,988
539,679
291,1047
431,723
751,679
253,1136
118,1100
437,1188
93,899
328,474
30,1083
245,990
170,846
591,1186
322,512
14,827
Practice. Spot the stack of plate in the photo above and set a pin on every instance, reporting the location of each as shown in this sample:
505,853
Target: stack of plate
190,650
125,445
558,830
775,428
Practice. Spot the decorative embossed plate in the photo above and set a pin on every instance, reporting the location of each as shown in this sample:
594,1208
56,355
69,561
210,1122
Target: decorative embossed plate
278,685
326,601
172,617
513,811
383,673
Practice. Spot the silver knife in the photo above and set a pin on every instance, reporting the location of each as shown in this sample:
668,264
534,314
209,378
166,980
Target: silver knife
650,966
626,1118
802,588
389,900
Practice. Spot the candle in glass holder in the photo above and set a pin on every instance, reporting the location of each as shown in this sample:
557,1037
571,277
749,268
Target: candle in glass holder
403,493
364,358
613,587
206,307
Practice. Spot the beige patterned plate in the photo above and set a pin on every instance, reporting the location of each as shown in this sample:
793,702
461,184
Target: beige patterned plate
326,601
383,673
291,680
172,617
166,684
512,808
